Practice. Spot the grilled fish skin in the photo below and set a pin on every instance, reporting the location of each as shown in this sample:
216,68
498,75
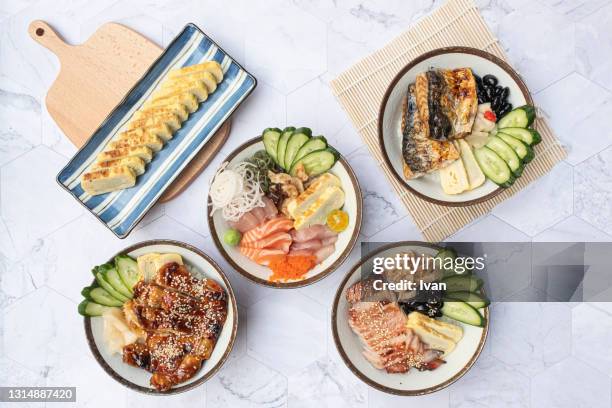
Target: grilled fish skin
420,153
460,101
447,102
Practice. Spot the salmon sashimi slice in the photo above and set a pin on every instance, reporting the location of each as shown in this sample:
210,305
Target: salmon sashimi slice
278,224
262,256
277,240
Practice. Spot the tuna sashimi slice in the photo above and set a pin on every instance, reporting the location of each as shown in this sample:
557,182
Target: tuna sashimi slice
245,223
324,252
312,245
318,231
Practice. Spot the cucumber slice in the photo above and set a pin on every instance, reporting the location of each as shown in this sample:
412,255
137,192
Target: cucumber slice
102,297
523,150
86,292
128,271
270,141
521,117
462,312
282,145
507,153
473,299
462,283
314,144
494,167
297,140
317,162
109,288
88,308
112,277
528,136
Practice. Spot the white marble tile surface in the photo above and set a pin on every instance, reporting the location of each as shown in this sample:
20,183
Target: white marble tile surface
538,355
490,383
583,128
592,183
593,44
531,351
541,204
547,59
571,384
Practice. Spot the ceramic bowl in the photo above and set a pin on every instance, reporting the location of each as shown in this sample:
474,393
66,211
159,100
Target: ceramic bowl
414,382
344,245
138,379
390,116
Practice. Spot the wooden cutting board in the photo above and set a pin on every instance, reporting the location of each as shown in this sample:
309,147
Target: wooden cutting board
96,75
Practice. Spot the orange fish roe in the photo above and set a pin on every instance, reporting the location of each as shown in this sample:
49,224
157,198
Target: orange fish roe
291,267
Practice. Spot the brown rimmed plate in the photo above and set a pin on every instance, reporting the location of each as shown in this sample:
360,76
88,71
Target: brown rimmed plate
138,379
389,118
346,239
415,382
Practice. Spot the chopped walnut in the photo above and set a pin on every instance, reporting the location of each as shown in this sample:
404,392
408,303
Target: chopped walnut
292,186
290,190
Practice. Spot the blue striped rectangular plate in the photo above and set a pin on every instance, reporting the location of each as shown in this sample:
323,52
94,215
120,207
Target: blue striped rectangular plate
121,210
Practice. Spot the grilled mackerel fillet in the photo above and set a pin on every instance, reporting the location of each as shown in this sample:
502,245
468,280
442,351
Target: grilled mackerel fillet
421,154
447,102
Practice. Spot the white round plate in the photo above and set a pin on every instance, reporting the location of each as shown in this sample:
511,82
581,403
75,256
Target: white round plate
138,379
344,245
390,117
414,382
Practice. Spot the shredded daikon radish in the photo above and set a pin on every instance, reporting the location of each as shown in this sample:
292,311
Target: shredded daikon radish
225,186
233,198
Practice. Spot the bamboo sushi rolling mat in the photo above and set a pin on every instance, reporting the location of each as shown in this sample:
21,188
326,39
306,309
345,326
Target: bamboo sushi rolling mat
360,90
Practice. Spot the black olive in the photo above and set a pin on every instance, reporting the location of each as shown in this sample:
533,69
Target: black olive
439,313
482,96
504,94
496,103
490,80
433,301
421,308
498,90
432,313
489,91
503,110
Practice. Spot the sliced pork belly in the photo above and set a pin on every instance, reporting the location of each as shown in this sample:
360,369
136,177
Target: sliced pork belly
388,344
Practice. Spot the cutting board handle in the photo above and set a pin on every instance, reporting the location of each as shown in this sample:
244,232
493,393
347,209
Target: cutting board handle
43,34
